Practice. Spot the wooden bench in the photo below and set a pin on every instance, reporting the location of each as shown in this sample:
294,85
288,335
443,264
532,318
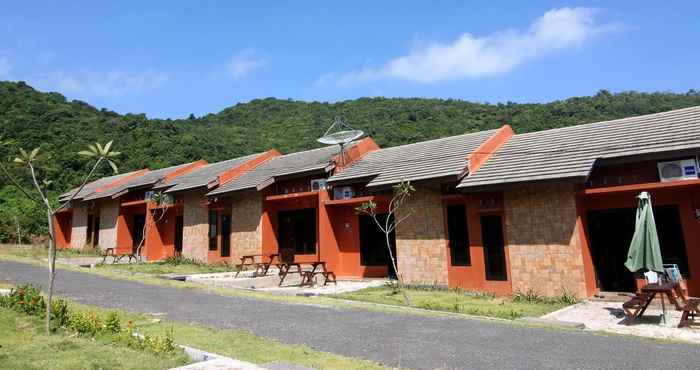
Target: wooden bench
636,306
116,257
690,309
261,268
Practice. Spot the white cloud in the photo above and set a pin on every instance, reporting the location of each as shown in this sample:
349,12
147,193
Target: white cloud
473,56
243,63
5,67
113,83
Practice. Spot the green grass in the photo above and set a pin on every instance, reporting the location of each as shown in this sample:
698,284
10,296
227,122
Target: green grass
458,301
157,268
24,346
40,253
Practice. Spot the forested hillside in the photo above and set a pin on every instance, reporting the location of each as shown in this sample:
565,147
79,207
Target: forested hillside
30,118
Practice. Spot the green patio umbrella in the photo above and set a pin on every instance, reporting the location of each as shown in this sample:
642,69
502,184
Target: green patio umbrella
645,252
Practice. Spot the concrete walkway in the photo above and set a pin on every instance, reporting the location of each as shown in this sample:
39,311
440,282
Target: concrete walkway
393,339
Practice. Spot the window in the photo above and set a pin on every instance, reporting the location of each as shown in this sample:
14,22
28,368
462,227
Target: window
213,219
225,235
373,251
494,247
458,235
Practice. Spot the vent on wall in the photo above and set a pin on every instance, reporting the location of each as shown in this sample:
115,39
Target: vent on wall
685,169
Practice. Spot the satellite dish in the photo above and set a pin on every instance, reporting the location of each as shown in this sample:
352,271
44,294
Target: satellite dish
345,135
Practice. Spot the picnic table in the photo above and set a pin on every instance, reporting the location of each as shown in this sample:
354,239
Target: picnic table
261,267
635,307
307,277
116,257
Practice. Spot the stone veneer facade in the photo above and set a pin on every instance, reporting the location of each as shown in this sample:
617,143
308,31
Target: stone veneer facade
195,233
421,247
246,222
79,233
543,239
109,212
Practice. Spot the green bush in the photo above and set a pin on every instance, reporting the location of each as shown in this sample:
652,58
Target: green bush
26,299
112,323
85,323
60,315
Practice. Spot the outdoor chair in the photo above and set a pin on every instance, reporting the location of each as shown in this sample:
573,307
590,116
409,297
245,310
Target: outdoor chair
690,310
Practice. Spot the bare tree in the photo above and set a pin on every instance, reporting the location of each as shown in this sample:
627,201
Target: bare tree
100,154
401,192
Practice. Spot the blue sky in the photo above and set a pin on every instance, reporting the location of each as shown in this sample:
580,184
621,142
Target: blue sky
172,58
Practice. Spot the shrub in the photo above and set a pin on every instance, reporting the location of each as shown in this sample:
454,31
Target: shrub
85,323
26,299
60,316
530,296
112,323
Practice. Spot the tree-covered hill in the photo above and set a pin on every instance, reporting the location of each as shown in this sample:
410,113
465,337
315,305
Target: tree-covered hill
30,118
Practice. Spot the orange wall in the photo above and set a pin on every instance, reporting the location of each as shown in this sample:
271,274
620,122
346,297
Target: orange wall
473,277
62,229
160,233
338,239
687,199
124,224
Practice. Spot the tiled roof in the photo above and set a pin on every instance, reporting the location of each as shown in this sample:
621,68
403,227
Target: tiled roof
203,175
571,152
294,163
90,187
418,161
147,179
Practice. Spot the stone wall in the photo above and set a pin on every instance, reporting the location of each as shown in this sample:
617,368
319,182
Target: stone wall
246,217
79,233
109,212
421,248
195,233
543,240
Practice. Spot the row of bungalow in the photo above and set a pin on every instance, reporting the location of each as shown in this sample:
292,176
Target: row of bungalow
550,211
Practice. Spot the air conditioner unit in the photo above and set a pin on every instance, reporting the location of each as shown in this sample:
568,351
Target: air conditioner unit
684,169
318,184
343,192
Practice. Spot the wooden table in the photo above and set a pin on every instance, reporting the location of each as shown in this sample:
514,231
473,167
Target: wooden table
672,290
307,278
285,270
261,267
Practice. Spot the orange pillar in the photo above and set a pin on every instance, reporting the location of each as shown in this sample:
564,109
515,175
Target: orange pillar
329,250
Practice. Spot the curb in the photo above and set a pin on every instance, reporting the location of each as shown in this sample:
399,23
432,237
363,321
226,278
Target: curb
550,322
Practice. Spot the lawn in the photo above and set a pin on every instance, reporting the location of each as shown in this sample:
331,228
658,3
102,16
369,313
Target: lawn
23,345
172,266
459,301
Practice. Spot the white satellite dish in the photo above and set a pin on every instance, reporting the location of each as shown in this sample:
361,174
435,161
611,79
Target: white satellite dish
346,135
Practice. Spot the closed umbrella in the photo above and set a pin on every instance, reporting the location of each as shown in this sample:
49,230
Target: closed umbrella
644,252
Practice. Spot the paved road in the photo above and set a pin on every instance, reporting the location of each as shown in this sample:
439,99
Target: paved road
393,339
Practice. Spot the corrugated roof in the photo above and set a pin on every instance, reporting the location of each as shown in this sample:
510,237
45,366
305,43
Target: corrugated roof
289,164
90,187
147,179
418,161
571,152
203,175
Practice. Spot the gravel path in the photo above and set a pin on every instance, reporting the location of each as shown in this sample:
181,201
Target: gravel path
393,339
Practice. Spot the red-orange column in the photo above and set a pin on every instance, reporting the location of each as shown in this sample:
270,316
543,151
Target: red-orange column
329,250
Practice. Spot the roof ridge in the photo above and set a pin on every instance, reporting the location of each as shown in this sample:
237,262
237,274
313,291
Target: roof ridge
623,119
